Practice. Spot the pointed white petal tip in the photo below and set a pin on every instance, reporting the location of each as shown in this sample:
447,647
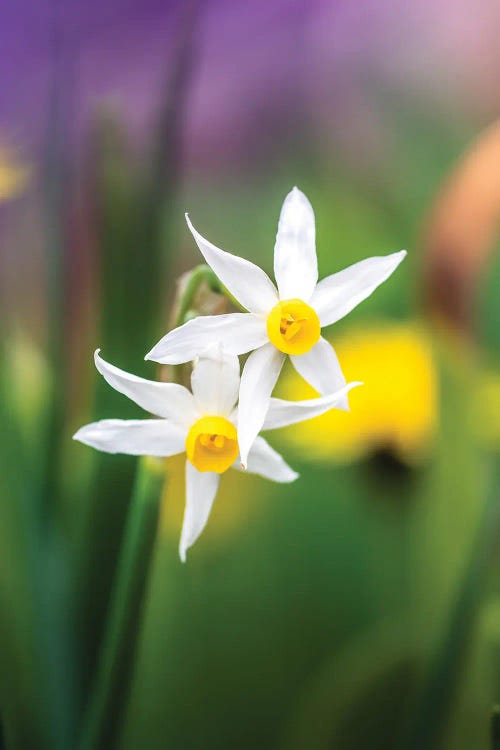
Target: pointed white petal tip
345,406
150,356
81,433
296,191
182,554
353,384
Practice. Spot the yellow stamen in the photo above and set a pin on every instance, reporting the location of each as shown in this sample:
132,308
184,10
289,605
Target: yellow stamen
293,326
211,444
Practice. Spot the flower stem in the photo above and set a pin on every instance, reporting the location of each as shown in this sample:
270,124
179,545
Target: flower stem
109,696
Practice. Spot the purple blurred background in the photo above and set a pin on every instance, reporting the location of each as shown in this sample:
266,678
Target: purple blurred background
263,69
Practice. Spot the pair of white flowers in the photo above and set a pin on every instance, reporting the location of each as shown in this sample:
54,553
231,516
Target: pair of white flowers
206,424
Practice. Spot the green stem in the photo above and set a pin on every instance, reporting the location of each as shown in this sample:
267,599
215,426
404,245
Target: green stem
134,211
109,696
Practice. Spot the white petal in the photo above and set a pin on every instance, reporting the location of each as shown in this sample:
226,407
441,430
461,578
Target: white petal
215,381
248,283
258,379
201,488
266,462
283,413
320,367
168,400
295,261
338,294
137,437
237,332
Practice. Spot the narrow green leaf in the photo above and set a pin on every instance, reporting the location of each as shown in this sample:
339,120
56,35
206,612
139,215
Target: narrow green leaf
134,208
109,695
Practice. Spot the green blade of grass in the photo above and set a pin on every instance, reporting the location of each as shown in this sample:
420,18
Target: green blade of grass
134,210
103,718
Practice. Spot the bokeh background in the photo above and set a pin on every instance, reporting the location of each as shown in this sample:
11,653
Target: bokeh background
359,607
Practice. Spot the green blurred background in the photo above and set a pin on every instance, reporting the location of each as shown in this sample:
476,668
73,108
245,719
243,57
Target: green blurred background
359,607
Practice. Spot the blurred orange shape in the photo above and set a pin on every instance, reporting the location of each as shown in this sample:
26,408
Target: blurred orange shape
461,230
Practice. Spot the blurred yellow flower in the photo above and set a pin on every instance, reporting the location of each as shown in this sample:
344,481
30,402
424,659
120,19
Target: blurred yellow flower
13,174
395,409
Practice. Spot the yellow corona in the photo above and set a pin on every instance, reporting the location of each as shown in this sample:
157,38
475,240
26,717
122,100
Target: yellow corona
212,445
293,326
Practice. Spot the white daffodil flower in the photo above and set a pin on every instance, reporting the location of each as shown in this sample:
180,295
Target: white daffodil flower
202,424
286,320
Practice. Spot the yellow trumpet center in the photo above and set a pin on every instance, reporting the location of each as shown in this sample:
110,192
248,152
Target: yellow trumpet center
293,326
211,444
